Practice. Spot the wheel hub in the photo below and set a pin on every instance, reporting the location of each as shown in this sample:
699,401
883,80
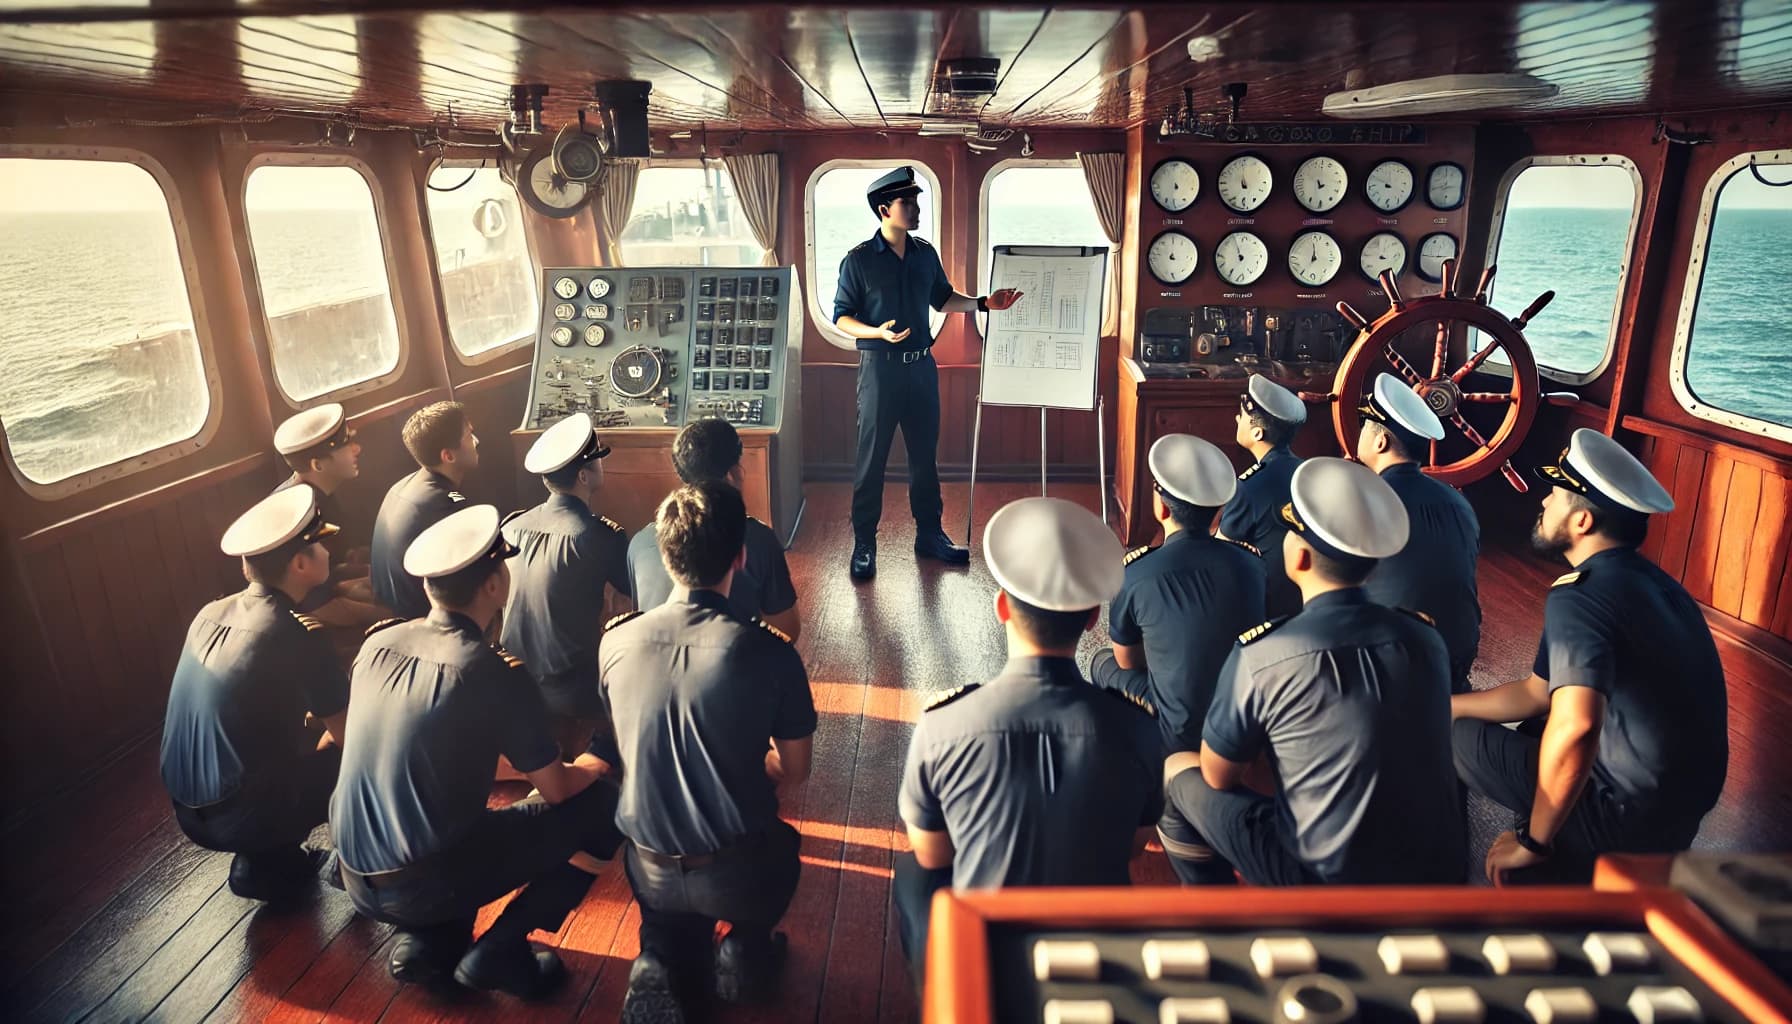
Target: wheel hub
1443,396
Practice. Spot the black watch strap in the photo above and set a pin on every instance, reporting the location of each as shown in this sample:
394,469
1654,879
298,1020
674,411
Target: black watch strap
1523,834
982,303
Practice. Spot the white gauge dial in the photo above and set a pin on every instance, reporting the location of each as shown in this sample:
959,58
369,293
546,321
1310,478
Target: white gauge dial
561,336
566,288
1240,258
1244,183
552,191
565,311
1314,258
1320,183
595,335
598,311
1433,251
1175,185
1172,258
1443,186
1383,251
599,287
1389,185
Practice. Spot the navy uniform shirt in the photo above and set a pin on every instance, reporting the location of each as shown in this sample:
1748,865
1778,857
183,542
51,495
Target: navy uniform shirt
1186,602
1435,572
336,544
1038,777
249,671
1621,626
1254,515
433,707
1351,700
695,695
762,588
414,504
556,609
876,286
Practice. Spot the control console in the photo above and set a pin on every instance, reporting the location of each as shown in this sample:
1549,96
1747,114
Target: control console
1224,341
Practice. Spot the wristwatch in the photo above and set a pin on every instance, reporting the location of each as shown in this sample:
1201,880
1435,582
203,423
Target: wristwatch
1522,833
982,303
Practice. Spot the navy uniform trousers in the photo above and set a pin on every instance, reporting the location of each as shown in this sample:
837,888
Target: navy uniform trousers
270,815
749,884
894,393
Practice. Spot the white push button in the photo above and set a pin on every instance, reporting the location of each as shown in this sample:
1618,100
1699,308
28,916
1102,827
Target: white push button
1413,954
1561,1006
1175,958
1315,999
1519,954
1278,958
1651,1004
1194,1011
1448,1006
1617,951
1079,1011
1066,960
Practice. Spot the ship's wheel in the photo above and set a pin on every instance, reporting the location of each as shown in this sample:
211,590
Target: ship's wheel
1378,347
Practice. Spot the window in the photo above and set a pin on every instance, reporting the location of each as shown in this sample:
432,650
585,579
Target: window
687,216
839,218
488,279
99,357
1565,224
1730,361
1032,202
322,271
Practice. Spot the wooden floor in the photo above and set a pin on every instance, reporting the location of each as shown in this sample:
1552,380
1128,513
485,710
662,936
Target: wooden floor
113,915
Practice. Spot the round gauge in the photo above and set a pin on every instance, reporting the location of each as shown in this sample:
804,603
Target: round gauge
1320,183
1443,186
636,372
1172,258
545,191
1244,183
1241,258
599,287
597,311
1314,258
1434,249
565,311
561,336
1383,251
1389,185
596,335
566,288
1175,184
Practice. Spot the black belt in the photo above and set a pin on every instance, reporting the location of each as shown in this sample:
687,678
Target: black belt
898,355
693,861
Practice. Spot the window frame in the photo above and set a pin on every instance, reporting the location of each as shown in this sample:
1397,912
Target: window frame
1689,301
1497,232
822,317
57,490
687,163
525,217
289,158
1110,315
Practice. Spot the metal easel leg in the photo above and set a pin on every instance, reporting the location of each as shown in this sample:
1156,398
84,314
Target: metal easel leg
970,511
1042,451
1101,456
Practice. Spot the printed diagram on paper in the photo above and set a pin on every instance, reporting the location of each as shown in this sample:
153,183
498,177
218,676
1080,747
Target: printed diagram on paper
1042,350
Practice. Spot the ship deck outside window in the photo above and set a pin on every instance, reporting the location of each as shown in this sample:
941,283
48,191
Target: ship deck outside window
488,278
686,214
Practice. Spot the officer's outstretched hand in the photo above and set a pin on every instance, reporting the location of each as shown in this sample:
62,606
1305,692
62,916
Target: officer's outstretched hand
894,337
1002,298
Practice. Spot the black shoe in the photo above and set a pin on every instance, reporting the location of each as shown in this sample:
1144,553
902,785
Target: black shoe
651,999
510,965
274,875
416,962
864,559
935,544
744,974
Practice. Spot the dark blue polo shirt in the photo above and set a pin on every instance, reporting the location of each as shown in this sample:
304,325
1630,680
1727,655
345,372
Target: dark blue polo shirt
876,285
433,707
1351,701
1435,572
556,609
1254,515
414,504
1621,626
763,587
1038,777
336,544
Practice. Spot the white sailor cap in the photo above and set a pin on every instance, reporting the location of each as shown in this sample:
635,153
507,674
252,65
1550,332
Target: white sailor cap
1344,508
573,439
1053,554
1275,400
288,514
1393,404
1605,471
457,542
1192,470
318,427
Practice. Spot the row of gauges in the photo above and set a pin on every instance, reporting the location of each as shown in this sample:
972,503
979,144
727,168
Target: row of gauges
563,335
1314,257
1320,184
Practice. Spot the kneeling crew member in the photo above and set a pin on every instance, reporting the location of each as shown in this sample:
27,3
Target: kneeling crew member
709,449
1269,415
1349,700
433,707
1636,746
1183,604
440,439
1036,777
567,554
1435,572
320,447
245,774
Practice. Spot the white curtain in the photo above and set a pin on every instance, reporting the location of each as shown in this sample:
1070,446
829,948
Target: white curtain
617,204
755,177
1105,174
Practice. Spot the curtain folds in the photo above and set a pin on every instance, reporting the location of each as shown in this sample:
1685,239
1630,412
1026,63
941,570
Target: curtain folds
1105,174
617,204
755,177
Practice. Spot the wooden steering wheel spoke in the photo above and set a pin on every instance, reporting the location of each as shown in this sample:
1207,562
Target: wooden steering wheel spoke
1489,397
1474,361
1405,368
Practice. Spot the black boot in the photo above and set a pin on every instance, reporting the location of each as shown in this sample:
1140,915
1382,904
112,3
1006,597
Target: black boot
747,971
510,965
275,875
864,559
426,956
933,543
651,999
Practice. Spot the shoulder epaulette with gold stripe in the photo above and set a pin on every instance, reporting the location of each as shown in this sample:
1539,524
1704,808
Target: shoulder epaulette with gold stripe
1137,553
1421,616
614,526
383,624
619,620
1252,548
1258,632
773,630
308,622
509,659
1567,579
943,699
1131,698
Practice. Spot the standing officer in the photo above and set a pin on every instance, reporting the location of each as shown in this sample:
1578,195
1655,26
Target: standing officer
320,448
1184,603
886,287
705,450
712,713
1269,416
441,440
433,707
1636,746
1435,572
567,554
1349,700
245,774
1037,777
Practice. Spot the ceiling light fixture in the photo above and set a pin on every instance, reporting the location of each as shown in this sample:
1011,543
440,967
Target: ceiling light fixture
1439,95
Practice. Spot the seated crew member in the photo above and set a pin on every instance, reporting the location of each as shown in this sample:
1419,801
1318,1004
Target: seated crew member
1435,572
433,707
245,774
320,448
709,449
1636,746
441,440
1183,604
1269,415
712,713
568,553
1349,699
1036,777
